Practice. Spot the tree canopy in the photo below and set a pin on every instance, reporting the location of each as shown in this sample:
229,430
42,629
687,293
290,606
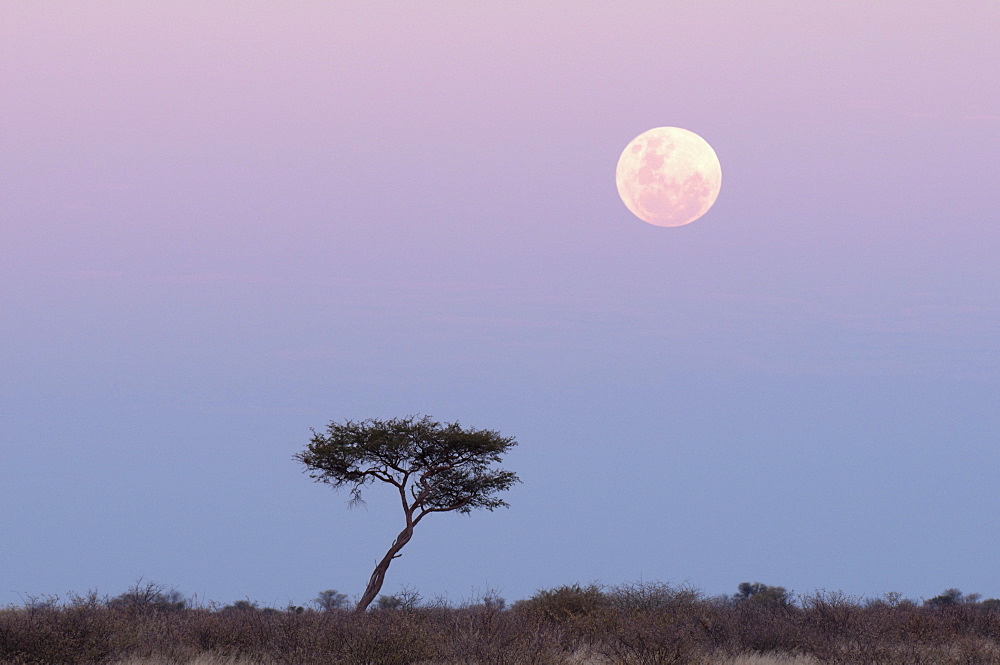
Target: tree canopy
763,595
435,467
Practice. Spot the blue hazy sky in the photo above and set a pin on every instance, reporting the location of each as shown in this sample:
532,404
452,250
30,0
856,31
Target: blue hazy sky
222,224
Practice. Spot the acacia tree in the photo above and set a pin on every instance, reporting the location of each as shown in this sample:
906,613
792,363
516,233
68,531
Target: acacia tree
435,467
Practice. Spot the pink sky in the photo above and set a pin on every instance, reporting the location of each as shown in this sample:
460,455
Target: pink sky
224,223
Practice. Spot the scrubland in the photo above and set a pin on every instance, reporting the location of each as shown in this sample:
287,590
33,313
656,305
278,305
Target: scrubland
751,659
638,624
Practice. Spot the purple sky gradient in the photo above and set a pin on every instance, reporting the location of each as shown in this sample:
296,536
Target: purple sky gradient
224,223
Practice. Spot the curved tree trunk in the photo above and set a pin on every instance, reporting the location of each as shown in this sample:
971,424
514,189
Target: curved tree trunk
378,576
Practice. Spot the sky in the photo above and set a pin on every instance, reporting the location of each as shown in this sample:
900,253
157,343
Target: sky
225,223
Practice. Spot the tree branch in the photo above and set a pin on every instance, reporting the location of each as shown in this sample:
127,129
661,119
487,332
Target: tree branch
427,511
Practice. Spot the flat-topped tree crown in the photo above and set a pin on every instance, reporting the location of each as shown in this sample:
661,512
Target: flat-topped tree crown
436,467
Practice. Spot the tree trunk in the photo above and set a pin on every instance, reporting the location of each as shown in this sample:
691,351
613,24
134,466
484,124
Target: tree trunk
378,576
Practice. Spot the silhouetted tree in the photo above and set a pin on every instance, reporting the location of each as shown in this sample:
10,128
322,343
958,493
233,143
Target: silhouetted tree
330,600
242,606
406,599
435,468
151,596
762,594
952,597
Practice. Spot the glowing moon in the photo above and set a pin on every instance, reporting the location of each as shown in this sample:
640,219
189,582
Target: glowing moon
668,176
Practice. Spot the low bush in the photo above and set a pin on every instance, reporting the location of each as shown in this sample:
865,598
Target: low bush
639,624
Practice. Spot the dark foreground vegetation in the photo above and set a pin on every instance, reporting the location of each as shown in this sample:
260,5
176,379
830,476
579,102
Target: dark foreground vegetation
643,624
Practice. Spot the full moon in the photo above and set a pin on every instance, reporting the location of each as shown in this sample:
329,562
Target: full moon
668,176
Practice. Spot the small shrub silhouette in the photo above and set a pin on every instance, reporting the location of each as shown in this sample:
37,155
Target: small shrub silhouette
567,602
331,600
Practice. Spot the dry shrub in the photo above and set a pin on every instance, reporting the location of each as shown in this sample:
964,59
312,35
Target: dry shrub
565,603
654,624
201,659
767,659
491,636
646,624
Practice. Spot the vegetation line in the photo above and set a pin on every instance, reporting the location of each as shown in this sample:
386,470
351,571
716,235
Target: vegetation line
631,624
